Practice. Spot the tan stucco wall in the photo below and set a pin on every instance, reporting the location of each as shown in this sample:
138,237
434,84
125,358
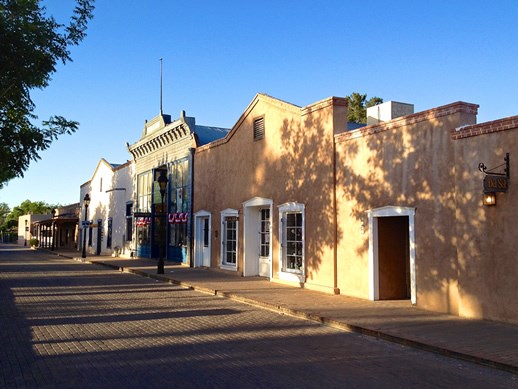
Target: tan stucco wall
465,253
293,163
486,236
407,162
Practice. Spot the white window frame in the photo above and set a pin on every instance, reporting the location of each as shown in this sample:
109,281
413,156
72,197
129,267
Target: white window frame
299,277
229,213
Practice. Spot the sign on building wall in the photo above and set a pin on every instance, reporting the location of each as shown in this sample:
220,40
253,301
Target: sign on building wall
495,183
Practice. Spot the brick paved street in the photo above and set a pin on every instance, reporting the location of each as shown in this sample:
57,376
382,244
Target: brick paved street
68,324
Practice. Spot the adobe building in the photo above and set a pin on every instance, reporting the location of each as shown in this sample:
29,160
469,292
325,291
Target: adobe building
391,210
26,228
264,194
414,222
56,231
163,218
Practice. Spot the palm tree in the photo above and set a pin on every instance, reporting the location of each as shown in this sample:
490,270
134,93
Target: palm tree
357,106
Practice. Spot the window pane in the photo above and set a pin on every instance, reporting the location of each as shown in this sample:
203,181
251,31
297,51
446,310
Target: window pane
185,169
206,232
293,247
230,242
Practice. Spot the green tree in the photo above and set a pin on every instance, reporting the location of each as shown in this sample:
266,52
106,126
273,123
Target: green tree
9,218
4,211
31,45
357,106
5,226
30,207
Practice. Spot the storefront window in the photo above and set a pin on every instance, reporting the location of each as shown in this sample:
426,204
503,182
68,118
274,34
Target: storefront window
143,238
144,187
179,202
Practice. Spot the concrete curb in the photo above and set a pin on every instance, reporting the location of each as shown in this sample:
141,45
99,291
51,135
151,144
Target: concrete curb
315,318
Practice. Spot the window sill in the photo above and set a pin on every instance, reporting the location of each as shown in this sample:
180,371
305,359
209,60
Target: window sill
228,267
292,277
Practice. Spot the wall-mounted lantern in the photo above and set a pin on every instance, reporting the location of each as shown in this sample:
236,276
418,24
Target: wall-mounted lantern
489,199
495,182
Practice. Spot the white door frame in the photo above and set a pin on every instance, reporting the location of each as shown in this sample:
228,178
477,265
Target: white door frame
251,255
198,237
373,216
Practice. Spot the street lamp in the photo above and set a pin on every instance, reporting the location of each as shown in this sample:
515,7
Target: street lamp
25,233
53,226
162,183
86,202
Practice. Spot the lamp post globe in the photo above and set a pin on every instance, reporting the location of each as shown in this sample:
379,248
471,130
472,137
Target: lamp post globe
86,202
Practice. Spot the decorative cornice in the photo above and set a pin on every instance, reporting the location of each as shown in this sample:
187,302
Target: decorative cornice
169,135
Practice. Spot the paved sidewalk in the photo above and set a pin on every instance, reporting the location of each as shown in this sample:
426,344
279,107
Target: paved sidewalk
485,342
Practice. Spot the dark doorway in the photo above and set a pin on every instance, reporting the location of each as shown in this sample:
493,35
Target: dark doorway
99,236
394,258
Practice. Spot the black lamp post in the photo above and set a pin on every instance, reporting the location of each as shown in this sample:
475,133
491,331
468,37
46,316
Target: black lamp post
25,233
53,227
86,202
162,182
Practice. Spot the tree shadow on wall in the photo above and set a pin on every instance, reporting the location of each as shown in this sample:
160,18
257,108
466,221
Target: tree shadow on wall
410,166
419,165
302,169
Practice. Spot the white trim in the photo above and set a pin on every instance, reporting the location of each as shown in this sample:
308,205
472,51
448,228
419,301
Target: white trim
291,207
247,205
202,213
225,213
389,211
230,212
257,202
198,244
286,275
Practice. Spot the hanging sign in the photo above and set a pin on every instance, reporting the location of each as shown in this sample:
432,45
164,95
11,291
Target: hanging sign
495,183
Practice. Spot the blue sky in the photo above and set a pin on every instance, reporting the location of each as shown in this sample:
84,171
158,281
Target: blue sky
218,54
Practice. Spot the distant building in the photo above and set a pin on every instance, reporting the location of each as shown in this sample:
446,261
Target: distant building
25,227
55,231
108,226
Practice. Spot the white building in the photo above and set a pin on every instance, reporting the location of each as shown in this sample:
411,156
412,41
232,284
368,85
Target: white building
25,228
109,224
